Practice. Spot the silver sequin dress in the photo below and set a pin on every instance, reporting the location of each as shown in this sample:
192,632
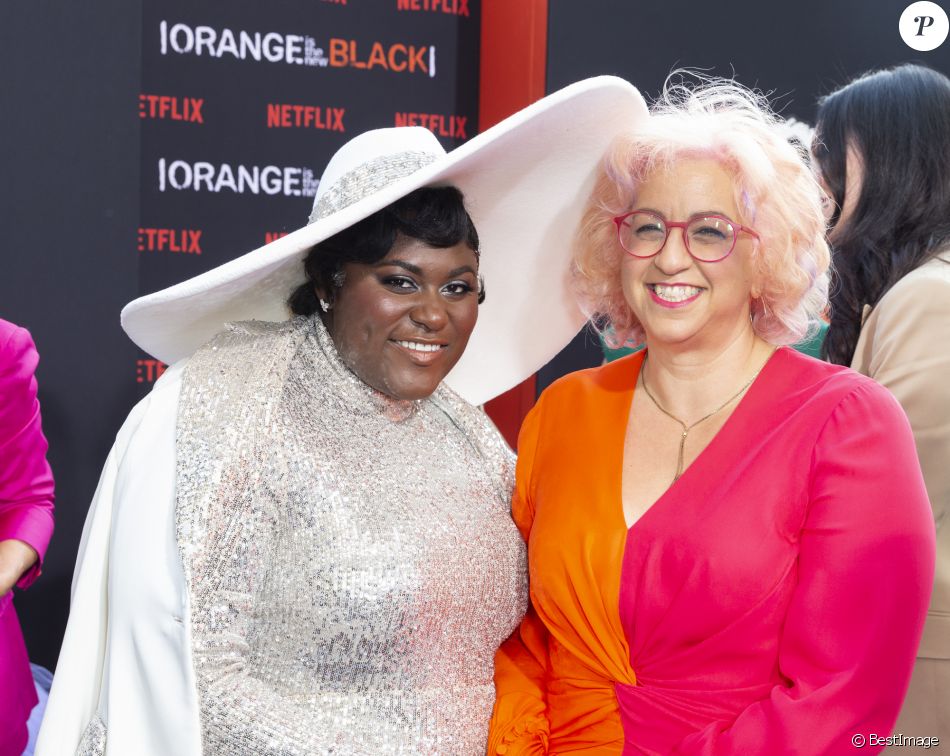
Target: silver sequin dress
350,559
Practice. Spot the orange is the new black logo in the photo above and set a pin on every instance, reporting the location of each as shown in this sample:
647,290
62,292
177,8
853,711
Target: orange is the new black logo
398,57
262,47
298,49
203,176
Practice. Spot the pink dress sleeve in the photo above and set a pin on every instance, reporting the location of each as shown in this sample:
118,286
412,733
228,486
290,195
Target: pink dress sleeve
865,574
26,481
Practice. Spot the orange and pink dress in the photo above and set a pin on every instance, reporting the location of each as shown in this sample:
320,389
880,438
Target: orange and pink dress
770,602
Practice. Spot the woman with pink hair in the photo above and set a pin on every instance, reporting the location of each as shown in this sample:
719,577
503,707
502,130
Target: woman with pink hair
26,523
730,546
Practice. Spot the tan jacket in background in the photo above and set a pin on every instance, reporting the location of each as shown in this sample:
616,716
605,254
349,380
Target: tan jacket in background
905,345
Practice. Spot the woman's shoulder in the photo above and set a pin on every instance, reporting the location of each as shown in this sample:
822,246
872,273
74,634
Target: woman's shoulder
800,371
909,322
151,421
18,356
8,330
481,432
926,286
935,269
472,420
243,353
821,389
15,341
596,383
253,334
160,405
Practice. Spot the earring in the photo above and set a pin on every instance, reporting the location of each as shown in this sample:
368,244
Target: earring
325,306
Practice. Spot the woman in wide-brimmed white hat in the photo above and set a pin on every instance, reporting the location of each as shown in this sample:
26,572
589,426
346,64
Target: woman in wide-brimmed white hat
301,542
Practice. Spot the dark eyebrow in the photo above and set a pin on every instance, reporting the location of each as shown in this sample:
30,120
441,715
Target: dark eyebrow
460,271
418,271
400,264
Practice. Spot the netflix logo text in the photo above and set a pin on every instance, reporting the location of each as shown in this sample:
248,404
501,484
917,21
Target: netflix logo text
181,175
149,370
453,7
282,116
398,58
441,125
179,240
161,107
271,236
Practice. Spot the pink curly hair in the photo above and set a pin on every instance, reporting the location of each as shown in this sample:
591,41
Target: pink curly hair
774,189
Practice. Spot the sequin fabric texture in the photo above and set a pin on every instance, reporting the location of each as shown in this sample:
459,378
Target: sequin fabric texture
93,740
351,561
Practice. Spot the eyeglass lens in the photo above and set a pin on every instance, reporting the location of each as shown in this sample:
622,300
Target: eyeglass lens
707,238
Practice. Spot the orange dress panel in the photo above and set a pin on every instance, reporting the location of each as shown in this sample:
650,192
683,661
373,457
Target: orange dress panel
556,675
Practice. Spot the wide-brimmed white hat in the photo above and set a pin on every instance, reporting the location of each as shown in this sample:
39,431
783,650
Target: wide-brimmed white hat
525,181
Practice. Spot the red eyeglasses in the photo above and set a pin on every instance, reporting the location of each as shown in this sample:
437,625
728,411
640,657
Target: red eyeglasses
708,238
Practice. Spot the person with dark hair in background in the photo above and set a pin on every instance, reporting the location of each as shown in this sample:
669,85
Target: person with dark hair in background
302,541
883,151
26,523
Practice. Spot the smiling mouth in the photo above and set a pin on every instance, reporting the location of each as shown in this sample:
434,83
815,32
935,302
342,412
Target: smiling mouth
674,293
421,346
421,353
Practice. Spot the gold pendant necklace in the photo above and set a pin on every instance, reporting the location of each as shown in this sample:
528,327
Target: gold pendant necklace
687,428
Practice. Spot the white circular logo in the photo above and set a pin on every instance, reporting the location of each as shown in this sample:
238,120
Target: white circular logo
924,25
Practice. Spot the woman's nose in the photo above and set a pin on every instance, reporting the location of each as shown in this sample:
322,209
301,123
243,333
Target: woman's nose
429,312
674,256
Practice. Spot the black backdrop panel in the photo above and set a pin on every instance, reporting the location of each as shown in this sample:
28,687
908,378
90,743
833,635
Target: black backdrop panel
69,205
797,50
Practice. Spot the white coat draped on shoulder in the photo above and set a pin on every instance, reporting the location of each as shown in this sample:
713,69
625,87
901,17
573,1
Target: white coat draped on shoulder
128,626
